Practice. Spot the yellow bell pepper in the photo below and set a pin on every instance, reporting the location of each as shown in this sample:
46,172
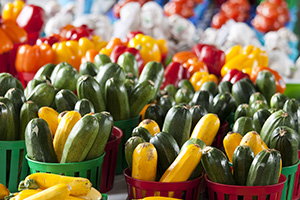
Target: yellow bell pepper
99,43
12,10
244,59
148,47
199,78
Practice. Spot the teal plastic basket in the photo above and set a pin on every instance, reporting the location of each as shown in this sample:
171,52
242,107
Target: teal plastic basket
126,126
13,167
90,169
290,173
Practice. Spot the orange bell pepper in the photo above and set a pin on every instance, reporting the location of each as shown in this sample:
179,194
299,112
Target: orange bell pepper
194,65
6,44
12,10
199,78
110,46
89,56
183,56
280,84
14,32
31,58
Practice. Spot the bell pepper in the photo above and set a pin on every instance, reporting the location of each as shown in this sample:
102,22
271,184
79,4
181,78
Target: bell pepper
181,8
244,59
147,46
280,83
12,10
183,56
193,65
132,34
31,18
67,51
89,56
199,78
31,58
174,73
51,39
6,44
15,33
234,75
70,32
110,46
99,43
120,49
213,57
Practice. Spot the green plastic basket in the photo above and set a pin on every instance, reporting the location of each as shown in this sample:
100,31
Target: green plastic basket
104,196
90,169
289,172
291,3
13,167
126,126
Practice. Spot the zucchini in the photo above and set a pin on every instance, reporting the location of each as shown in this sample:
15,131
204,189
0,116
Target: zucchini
32,84
65,100
4,115
285,140
29,111
259,118
257,105
43,95
242,110
242,90
291,106
155,112
265,82
101,59
197,112
7,81
225,86
80,139
186,84
88,68
129,64
265,168
222,105
167,150
203,98
84,106
211,87
166,102
241,162
216,166
278,100
257,96
171,89
178,122
183,95
140,96
45,70
58,67
141,132
38,140
88,88
11,122
130,145
117,99
230,142
65,78
243,125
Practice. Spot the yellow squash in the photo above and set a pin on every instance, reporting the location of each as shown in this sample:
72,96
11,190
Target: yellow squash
254,141
79,186
26,193
183,165
63,130
3,191
144,162
92,195
207,128
60,116
230,142
56,192
50,116
150,125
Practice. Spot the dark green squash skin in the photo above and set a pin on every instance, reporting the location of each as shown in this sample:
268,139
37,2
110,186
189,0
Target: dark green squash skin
166,102
211,87
278,100
183,95
242,90
84,106
155,112
100,60
45,70
12,120
43,95
225,86
129,64
29,111
7,81
141,132
257,96
39,143
259,104
130,145
259,118
185,83
203,98
4,115
242,110
265,82
243,125
197,112
88,68
223,104
291,106
241,161
65,100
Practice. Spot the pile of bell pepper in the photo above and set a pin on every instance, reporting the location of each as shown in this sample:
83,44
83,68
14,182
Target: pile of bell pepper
184,8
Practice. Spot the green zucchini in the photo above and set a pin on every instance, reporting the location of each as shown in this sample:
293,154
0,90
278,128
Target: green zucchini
257,96
185,83
278,100
242,110
88,68
211,87
65,78
7,81
130,145
65,100
84,106
29,111
155,112
141,132
243,125
45,70
225,86
257,105
39,143
171,89
291,106
259,118
12,120
32,84
166,102
197,112
183,95
80,139
129,64
43,95
265,82
242,90
203,98
223,104
101,59
4,115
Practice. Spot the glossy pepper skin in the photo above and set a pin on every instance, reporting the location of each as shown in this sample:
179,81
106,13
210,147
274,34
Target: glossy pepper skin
31,18
70,32
51,39
6,44
213,57
174,73
31,58
234,75
199,78
12,10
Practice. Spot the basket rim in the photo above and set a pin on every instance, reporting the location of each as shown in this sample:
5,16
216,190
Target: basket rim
293,168
65,164
15,144
126,173
282,180
124,123
116,138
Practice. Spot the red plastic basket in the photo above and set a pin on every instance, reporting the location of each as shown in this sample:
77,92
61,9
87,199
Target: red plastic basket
4,62
110,160
296,192
138,189
25,77
218,141
219,191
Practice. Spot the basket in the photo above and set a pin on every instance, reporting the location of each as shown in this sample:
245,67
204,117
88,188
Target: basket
187,190
90,169
13,167
126,126
218,141
290,173
219,191
25,77
110,160
296,192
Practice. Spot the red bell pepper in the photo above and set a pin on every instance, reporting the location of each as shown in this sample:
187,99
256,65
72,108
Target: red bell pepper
31,18
174,73
54,38
71,32
120,49
131,35
213,57
234,75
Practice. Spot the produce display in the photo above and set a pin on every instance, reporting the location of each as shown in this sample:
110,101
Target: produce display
209,83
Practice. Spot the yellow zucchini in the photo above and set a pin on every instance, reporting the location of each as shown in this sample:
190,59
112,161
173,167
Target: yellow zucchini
92,195
79,186
63,130
183,165
254,141
144,162
50,116
230,142
150,125
3,191
56,192
60,116
207,128
26,193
